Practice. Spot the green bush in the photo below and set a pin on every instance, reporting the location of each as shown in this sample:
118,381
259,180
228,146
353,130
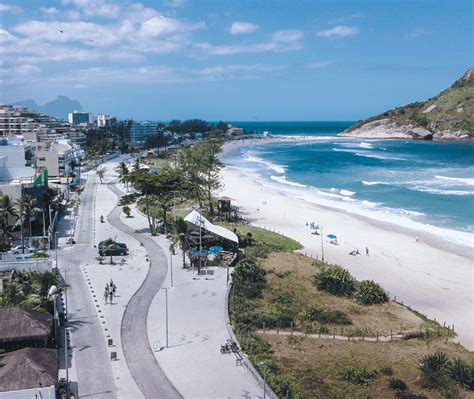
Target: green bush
435,369
248,279
335,280
462,373
39,255
398,384
252,344
356,375
126,209
284,386
324,315
386,370
370,293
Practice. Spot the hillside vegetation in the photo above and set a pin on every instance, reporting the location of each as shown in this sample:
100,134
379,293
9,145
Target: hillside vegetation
449,115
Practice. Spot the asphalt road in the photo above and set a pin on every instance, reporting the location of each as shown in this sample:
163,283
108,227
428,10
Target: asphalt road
141,362
93,368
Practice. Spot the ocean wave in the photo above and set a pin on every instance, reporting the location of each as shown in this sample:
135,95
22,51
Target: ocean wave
365,145
372,183
378,156
439,191
269,165
347,193
283,180
463,180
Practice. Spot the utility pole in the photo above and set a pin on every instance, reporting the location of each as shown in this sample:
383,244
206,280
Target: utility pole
56,247
166,305
171,266
322,245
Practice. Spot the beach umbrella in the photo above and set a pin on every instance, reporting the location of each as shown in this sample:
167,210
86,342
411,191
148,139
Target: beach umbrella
215,249
332,236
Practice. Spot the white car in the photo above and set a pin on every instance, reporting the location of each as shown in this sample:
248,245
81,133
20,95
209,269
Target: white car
17,250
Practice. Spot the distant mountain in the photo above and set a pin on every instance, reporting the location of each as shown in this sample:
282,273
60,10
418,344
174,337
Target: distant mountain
447,116
58,108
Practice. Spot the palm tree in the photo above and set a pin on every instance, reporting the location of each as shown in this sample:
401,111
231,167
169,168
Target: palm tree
101,173
7,212
123,172
26,207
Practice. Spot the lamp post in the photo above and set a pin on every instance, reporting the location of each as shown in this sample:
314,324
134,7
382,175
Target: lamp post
262,365
166,312
56,247
52,294
322,245
171,265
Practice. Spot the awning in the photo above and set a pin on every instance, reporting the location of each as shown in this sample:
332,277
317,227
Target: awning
198,220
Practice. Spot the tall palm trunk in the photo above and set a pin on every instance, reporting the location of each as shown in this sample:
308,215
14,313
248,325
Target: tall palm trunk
147,207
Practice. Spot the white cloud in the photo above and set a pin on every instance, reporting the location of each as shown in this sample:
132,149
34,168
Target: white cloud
162,26
319,64
95,8
49,10
237,71
283,40
288,36
417,32
238,28
339,31
5,36
10,8
174,3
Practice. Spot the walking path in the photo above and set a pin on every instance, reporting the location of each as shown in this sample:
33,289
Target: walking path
381,338
150,378
89,364
197,329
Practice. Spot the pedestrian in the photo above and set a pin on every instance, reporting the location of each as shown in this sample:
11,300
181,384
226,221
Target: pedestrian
107,289
367,251
106,296
111,295
114,288
417,238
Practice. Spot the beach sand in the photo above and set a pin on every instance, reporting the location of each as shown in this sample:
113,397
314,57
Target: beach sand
432,276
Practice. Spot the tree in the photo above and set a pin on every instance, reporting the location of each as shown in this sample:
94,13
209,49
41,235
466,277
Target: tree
158,140
101,172
26,208
123,172
7,213
126,209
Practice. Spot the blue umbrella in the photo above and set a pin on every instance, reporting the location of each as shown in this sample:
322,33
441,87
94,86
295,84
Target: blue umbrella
215,249
332,236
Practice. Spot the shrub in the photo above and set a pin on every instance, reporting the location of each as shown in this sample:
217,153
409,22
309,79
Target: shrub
249,279
386,371
371,293
462,373
398,384
435,369
324,315
126,209
335,280
356,375
284,386
38,255
252,344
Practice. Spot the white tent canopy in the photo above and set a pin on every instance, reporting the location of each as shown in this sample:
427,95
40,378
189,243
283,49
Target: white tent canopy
198,220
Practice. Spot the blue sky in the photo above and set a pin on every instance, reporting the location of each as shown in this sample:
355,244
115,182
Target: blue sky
233,60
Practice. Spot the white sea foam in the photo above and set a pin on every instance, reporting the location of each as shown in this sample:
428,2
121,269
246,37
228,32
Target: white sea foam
462,180
269,165
283,180
439,191
372,183
347,193
366,154
365,145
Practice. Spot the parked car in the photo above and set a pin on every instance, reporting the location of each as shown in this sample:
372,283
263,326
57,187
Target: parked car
18,250
113,250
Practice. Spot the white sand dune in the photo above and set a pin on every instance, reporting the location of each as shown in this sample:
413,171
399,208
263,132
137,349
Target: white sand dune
432,276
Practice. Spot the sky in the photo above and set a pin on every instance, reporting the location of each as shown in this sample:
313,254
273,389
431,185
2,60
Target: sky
252,60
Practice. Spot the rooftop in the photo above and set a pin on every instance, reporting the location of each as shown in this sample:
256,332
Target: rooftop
21,324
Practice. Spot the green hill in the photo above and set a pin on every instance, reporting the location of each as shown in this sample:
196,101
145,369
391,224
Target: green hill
449,115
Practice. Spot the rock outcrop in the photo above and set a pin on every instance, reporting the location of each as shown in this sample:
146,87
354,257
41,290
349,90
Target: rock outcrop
447,116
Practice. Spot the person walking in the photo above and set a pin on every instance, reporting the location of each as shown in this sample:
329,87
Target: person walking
114,289
367,251
111,295
106,297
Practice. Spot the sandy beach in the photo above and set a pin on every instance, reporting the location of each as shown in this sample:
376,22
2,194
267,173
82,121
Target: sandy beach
432,276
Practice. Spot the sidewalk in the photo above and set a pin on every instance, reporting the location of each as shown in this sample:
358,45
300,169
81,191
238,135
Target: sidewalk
197,329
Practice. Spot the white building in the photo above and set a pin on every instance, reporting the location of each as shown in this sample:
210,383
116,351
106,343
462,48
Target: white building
234,131
57,157
15,176
105,120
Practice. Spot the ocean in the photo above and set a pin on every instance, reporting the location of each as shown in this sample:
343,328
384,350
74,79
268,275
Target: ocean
425,185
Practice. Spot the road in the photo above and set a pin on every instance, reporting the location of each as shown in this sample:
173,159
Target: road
141,362
89,351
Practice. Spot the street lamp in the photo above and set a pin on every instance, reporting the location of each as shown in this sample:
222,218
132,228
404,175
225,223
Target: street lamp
166,312
52,294
171,264
262,365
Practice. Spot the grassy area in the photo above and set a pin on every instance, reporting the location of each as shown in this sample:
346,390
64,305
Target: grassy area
285,295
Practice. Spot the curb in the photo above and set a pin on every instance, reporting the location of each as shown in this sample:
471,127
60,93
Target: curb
245,361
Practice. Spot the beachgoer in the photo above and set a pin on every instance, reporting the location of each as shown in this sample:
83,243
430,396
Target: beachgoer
367,251
106,296
357,252
114,289
111,296
417,238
